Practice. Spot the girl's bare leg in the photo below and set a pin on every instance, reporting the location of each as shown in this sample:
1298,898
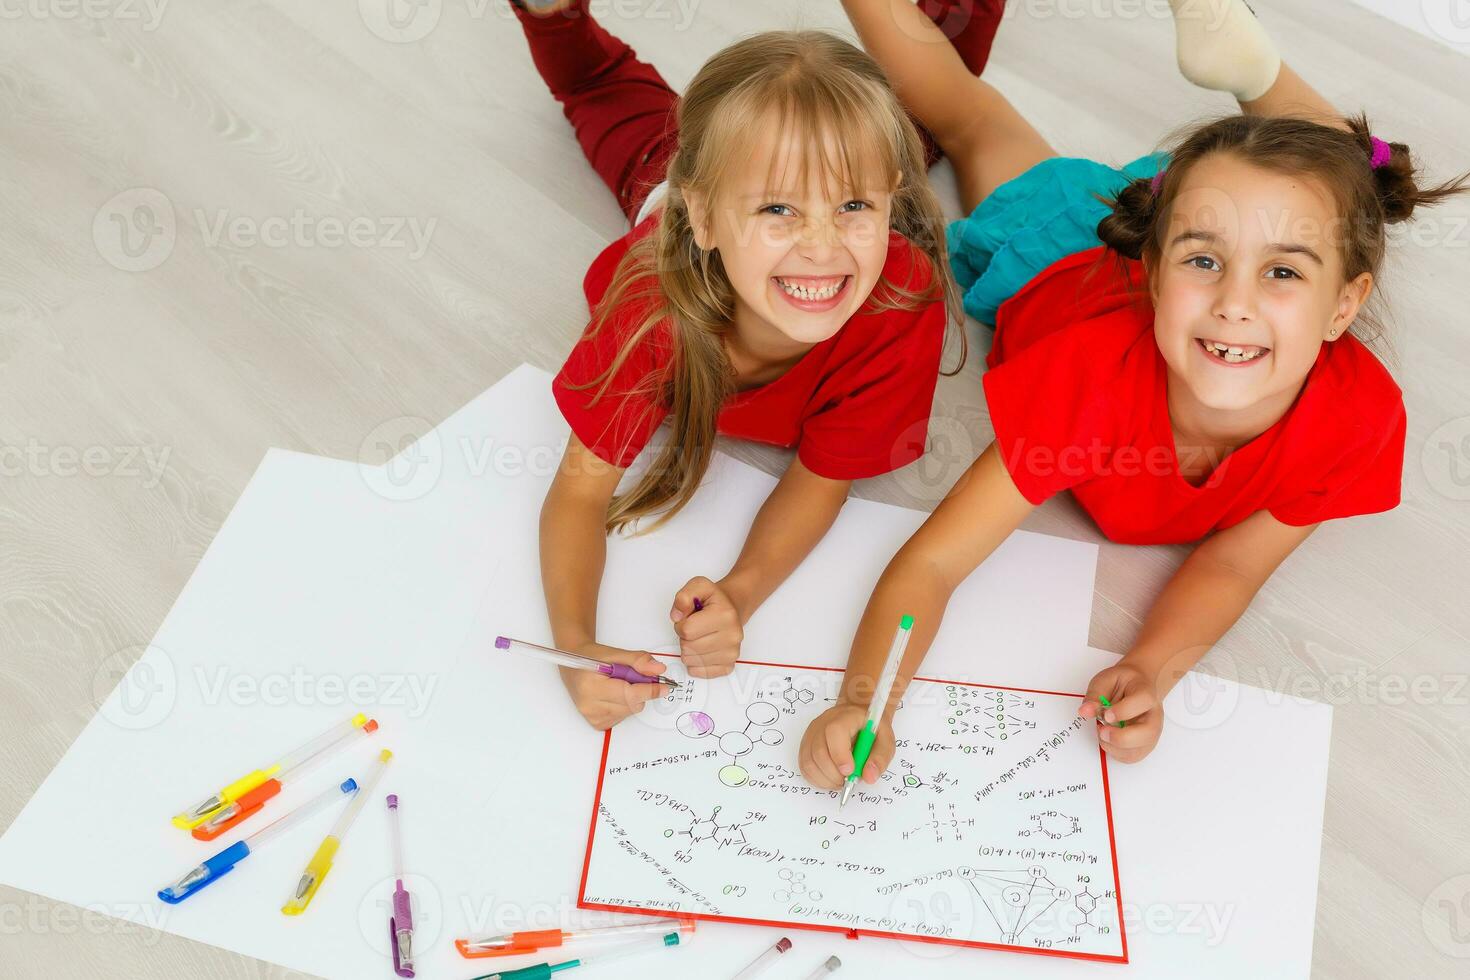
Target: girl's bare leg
1291,96
984,136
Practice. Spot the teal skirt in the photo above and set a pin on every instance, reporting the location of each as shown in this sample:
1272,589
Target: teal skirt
1049,212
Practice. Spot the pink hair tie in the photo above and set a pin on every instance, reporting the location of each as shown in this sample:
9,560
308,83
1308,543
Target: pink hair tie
1382,152
1157,184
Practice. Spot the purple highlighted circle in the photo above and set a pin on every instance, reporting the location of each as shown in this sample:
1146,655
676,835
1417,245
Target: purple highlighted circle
695,724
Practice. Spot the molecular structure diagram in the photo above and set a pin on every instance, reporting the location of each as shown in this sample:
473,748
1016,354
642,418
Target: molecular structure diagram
1052,824
701,829
792,886
1015,899
758,714
846,830
794,695
1086,903
945,824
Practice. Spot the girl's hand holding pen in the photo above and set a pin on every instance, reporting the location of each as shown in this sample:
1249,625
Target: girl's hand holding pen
605,701
1130,722
708,624
826,748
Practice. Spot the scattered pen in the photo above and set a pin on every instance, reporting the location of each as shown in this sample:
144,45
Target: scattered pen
517,943
210,805
400,923
863,747
293,767
759,964
321,861
821,971
541,971
620,672
221,864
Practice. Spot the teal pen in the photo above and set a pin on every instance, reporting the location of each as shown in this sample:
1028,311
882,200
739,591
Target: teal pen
541,971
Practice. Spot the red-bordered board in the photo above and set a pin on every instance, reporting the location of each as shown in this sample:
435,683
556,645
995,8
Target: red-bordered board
856,933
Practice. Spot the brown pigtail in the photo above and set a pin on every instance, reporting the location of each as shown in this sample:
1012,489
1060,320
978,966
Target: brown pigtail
1397,181
1128,229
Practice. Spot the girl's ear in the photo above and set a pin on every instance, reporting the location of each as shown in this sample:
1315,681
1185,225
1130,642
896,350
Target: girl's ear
1354,294
698,208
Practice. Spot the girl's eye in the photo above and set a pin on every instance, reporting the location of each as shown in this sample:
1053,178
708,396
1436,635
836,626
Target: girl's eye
1285,273
1203,262
853,206
780,210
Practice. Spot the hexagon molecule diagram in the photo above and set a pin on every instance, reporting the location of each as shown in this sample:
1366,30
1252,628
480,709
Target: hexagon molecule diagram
735,744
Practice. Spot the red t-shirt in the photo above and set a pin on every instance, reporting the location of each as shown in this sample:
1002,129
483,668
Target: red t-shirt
856,405
1077,390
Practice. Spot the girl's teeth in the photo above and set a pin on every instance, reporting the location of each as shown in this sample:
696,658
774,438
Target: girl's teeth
1233,355
802,292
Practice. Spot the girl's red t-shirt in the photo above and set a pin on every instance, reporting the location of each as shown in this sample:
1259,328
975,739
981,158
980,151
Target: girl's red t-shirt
856,405
1077,390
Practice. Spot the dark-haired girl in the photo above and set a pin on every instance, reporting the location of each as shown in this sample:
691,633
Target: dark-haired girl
1174,343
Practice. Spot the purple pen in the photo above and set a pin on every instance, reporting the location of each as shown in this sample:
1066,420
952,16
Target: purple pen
400,923
620,672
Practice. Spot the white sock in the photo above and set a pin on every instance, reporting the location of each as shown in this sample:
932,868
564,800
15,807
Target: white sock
1223,47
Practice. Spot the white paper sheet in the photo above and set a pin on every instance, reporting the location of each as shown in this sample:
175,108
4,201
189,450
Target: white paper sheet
327,572
991,827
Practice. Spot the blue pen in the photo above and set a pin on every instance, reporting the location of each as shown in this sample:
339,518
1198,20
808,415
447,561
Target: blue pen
224,862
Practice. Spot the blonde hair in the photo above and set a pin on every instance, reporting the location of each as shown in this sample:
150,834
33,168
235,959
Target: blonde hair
817,86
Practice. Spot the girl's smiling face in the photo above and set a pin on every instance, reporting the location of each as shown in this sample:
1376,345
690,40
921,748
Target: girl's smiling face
1248,285
801,245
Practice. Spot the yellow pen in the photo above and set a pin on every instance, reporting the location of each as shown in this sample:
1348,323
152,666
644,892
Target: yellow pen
211,805
321,861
